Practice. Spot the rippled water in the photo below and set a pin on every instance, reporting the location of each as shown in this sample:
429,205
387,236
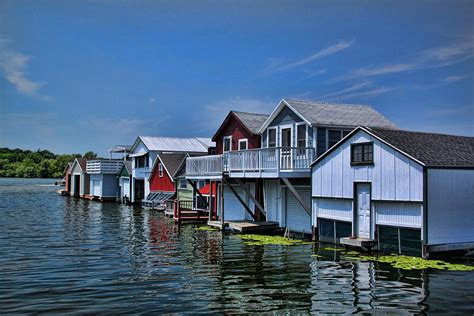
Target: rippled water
61,255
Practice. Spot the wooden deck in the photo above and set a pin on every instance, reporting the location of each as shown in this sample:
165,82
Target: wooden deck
246,227
362,243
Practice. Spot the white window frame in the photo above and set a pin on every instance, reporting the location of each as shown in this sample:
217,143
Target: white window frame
160,170
306,133
282,127
230,143
268,137
243,140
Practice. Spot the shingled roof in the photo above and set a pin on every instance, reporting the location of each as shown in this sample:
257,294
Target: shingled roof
433,150
253,121
335,114
172,161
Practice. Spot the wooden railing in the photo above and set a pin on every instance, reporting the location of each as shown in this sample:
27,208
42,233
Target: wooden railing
205,165
271,159
184,210
104,166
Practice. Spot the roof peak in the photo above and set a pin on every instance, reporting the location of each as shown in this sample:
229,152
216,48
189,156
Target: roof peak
251,113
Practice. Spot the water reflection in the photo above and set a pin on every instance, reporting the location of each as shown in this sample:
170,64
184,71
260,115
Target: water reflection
69,255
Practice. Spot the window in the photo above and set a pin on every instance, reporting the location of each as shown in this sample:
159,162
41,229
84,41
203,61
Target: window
243,144
272,137
362,153
301,135
201,184
333,137
183,184
227,144
160,170
141,161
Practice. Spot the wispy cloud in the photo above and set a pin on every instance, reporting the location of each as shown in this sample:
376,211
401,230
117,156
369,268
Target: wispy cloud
14,66
450,79
352,88
367,93
430,58
277,65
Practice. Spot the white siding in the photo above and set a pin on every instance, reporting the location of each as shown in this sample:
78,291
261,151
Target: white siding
233,209
96,184
272,200
394,176
337,209
297,219
400,214
450,206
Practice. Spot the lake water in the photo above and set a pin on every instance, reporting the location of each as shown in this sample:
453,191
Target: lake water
66,255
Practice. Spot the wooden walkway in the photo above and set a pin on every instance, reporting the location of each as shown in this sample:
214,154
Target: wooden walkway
246,227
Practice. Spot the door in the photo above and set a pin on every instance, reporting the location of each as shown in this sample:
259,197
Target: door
286,148
96,187
363,210
297,219
126,188
77,183
233,209
139,190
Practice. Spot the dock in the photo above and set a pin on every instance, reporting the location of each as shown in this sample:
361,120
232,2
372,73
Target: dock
361,243
245,227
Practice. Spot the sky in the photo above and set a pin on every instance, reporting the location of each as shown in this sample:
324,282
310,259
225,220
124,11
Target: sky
87,75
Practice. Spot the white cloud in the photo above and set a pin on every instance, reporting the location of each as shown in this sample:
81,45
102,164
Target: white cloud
277,65
368,93
450,79
14,66
430,58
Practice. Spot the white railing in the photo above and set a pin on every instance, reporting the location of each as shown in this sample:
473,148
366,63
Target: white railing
104,166
205,165
271,159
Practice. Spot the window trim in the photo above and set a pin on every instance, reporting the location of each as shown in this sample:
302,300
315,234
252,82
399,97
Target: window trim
243,140
306,134
362,163
286,126
268,137
230,143
160,170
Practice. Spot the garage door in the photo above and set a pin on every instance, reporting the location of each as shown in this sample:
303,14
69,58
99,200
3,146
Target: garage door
126,188
297,220
233,209
95,187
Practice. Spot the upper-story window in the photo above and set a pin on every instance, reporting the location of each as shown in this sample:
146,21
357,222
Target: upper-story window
141,161
301,135
272,137
362,153
183,184
160,170
227,146
243,144
334,136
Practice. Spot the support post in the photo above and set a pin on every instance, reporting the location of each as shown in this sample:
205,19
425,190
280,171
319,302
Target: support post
211,207
199,193
297,196
222,203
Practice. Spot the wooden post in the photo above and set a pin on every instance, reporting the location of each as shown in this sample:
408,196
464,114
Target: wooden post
222,203
211,207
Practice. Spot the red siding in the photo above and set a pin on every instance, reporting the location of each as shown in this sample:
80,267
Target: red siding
67,176
234,128
158,183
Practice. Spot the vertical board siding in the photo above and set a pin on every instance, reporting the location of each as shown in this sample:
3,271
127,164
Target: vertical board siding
272,200
297,220
235,129
394,176
110,187
450,206
233,209
401,214
337,209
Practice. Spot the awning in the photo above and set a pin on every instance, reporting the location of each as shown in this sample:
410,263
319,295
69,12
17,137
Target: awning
138,154
159,196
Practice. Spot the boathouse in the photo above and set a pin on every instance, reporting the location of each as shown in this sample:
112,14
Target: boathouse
67,179
145,150
404,192
238,132
80,180
124,180
104,184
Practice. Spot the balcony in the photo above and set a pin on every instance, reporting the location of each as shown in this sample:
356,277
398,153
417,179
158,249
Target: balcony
278,162
206,167
253,163
104,166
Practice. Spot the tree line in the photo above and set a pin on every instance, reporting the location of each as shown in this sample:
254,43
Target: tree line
18,163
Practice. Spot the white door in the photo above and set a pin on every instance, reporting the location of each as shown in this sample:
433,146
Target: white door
126,188
286,154
95,187
233,209
363,210
297,219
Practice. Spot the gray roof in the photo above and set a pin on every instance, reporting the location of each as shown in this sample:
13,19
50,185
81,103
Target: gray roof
172,161
325,113
120,148
252,121
433,150
175,144
128,166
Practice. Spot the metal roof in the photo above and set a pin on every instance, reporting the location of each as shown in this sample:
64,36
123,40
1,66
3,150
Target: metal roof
175,144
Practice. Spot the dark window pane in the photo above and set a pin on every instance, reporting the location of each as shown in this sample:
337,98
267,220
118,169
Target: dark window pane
272,137
321,141
334,137
344,133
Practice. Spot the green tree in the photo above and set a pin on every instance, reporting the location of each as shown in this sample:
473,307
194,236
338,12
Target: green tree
90,155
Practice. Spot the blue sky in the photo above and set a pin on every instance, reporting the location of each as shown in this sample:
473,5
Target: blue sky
86,75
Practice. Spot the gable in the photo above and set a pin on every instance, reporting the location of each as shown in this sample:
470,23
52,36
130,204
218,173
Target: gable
285,116
124,172
76,168
138,147
230,126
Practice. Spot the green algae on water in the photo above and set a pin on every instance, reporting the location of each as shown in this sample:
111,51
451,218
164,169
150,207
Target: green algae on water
208,228
415,263
257,240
